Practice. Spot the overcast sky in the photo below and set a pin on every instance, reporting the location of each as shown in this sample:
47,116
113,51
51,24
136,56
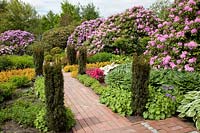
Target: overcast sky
106,7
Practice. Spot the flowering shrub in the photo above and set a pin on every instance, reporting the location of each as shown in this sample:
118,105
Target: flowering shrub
120,32
6,75
95,73
175,44
83,32
15,41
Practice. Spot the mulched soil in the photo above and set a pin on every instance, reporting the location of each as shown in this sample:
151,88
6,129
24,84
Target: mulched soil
12,127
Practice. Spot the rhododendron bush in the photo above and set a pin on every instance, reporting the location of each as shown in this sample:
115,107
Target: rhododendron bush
118,33
175,44
83,32
121,32
15,41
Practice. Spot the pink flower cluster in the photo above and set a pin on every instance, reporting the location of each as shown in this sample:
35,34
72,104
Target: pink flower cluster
96,73
15,41
84,31
134,20
97,34
175,43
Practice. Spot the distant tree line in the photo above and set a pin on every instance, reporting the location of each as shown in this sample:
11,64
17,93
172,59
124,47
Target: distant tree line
16,14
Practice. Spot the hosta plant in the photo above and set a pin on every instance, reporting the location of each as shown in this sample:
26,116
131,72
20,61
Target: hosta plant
118,100
162,102
190,107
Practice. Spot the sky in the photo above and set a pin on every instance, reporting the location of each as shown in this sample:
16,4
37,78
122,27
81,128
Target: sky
106,7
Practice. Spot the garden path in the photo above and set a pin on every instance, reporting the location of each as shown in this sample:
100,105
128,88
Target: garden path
91,116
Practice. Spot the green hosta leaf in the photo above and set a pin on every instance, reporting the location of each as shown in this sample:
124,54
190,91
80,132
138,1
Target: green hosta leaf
162,116
157,117
190,113
151,116
198,124
145,115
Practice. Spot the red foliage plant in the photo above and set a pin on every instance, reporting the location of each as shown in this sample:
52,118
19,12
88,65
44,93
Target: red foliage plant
96,73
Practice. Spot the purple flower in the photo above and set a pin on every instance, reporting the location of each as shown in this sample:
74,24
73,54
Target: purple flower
168,95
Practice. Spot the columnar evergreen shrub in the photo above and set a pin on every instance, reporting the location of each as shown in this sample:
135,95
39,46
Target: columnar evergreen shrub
54,86
38,56
82,60
140,81
71,54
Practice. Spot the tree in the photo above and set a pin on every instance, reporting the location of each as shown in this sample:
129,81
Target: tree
160,8
70,14
49,21
3,15
18,15
89,12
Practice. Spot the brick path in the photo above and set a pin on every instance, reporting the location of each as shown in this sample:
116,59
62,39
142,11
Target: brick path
91,116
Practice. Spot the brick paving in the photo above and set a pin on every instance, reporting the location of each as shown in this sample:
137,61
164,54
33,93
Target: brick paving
91,116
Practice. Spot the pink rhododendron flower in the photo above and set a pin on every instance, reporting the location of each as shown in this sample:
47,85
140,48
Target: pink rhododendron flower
172,65
183,55
192,60
191,45
188,68
166,60
176,19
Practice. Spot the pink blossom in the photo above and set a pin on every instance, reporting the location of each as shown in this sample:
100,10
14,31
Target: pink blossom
192,60
194,31
181,4
160,46
160,26
187,8
191,2
178,61
183,55
153,43
180,44
172,65
176,19
188,68
166,60
191,45
186,27
198,12
197,20
146,52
